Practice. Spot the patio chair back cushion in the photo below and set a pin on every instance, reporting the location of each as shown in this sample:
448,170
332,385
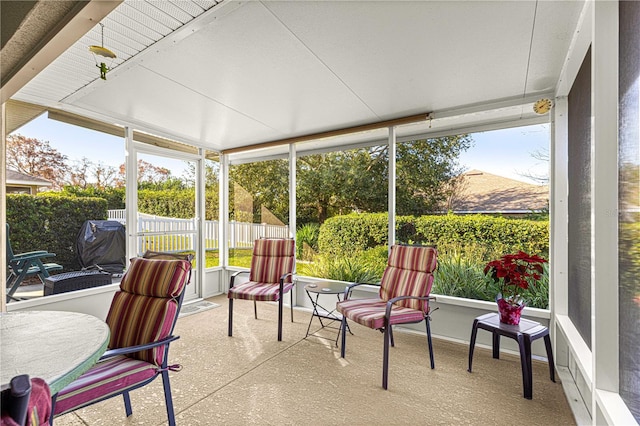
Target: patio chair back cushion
145,309
271,259
409,272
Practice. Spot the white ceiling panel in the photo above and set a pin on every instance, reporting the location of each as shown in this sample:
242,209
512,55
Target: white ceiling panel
173,110
249,63
555,22
405,57
238,73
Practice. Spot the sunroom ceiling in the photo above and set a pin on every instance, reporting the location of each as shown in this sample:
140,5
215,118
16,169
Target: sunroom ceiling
234,74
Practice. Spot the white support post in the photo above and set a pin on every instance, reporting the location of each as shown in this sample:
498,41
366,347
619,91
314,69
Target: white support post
293,158
558,208
131,193
201,258
604,203
559,225
3,205
392,186
223,213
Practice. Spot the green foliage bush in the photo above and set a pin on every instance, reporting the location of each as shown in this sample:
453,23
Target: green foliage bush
307,241
363,267
343,235
352,246
51,222
178,203
115,196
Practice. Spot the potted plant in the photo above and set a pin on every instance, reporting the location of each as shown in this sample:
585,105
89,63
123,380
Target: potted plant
514,273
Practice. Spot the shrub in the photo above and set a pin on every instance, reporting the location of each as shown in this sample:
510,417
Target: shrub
51,222
465,244
343,235
115,196
362,267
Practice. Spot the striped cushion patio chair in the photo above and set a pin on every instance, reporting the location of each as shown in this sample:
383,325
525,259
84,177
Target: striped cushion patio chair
270,277
403,298
141,319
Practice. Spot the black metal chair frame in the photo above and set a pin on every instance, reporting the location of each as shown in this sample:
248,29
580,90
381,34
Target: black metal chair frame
255,308
387,329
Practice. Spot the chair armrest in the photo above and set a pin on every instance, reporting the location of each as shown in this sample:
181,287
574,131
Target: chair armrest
390,302
233,277
131,349
347,291
284,277
32,255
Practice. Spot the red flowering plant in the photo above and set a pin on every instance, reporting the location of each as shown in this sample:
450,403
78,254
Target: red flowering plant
514,273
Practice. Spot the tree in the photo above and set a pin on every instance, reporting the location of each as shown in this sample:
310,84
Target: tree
150,177
541,155
36,158
339,183
425,169
79,173
266,184
356,180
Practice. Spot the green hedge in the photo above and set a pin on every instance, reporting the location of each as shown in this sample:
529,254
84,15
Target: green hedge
344,235
115,196
176,203
51,222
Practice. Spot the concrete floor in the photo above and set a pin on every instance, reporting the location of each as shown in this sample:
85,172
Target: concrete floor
251,378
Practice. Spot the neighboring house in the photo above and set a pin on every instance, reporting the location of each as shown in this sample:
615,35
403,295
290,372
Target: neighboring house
19,183
482,192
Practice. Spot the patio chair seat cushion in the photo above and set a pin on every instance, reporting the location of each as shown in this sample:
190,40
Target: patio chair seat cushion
370,312
106,378
260,292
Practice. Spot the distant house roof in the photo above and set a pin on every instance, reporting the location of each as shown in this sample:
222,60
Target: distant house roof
17,178
484,192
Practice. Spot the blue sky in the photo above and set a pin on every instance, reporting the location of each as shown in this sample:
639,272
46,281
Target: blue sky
504,152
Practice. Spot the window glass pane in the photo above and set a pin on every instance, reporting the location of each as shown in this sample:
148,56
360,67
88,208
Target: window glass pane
211,229
166,205
629,206
258,206
48,157
476,197
341,207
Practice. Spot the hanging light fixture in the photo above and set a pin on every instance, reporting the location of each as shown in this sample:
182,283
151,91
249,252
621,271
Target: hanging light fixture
100,52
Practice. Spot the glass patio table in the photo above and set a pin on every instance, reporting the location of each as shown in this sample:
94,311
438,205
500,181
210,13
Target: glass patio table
55,346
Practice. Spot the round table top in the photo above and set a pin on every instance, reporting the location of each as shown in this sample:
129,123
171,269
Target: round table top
326,287
55,346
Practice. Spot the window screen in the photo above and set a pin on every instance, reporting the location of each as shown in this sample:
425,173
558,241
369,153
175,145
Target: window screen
580,200
629,205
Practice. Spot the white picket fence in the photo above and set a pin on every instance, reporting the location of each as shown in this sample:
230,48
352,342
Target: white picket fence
171,234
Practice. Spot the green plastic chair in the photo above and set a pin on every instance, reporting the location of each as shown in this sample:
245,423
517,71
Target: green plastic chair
25,265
